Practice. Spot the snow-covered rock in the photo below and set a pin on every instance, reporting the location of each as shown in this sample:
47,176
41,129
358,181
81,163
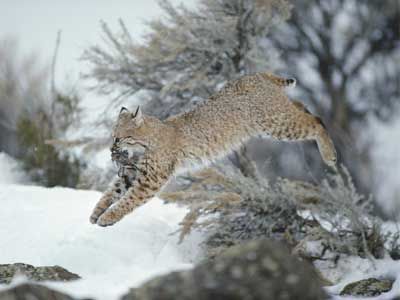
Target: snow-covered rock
43,273
367,287
353,268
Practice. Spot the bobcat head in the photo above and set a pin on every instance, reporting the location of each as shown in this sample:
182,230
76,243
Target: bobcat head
134,133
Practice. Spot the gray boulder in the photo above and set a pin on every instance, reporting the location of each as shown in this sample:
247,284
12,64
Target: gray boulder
367,287
34,292
53,273
261,270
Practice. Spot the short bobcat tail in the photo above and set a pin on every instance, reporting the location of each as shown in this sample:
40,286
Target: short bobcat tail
280,81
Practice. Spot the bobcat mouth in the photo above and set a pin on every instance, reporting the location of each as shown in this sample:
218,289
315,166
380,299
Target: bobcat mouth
119,156
127,161
129,154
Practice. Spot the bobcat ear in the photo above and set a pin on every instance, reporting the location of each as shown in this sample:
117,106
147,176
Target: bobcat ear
138,116
123,109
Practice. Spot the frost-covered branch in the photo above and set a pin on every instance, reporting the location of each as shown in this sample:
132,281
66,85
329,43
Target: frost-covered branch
235,208
187,55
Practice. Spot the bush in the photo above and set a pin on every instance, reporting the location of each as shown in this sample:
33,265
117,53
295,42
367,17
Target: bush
235,209
44,163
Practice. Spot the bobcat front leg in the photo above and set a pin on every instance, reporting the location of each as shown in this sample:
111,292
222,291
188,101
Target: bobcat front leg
145,186
113,194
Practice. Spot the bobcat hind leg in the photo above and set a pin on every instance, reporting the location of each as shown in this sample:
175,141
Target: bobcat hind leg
299,124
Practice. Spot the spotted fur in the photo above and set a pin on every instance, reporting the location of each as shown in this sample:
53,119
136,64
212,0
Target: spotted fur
252,105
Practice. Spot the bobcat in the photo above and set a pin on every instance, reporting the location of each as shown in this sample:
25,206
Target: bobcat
250,106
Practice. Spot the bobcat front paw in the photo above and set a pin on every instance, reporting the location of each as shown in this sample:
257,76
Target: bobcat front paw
97,212
110,217
93,219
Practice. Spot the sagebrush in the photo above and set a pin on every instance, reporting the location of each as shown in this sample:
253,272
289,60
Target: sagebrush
233,208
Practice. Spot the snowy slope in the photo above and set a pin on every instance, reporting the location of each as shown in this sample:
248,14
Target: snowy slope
41,226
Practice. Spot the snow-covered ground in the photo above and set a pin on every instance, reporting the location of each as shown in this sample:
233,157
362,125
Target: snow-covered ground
354,268
350,269
42,226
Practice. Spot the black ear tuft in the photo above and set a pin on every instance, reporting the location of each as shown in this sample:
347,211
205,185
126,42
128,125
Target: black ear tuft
137,116
122,109
136,113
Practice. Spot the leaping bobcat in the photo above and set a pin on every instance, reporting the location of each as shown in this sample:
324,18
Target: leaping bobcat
250,106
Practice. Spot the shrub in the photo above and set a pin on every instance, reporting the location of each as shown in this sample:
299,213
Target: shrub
242,209
44,163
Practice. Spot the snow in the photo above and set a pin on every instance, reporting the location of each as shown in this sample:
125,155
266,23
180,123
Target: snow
354,268
42,226
10,170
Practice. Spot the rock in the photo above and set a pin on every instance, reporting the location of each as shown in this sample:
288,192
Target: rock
32,291
367,287
259,270
54,273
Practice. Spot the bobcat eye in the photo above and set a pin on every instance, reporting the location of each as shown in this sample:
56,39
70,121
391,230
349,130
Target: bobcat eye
116,140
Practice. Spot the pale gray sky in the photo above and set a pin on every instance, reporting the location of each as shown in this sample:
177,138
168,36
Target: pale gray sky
35,23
